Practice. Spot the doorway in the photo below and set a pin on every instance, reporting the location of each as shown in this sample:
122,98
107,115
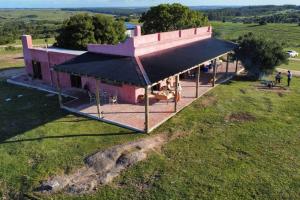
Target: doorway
76,81
37,70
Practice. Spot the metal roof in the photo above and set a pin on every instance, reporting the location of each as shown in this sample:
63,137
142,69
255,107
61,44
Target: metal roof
169,62
106,67
157,66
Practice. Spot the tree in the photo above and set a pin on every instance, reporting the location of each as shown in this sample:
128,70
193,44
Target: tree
259,55
262,22
169,17
83,29
108,31
76,32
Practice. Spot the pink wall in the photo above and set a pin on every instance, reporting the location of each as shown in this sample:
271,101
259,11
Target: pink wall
123,49
136,46
125,93
145,44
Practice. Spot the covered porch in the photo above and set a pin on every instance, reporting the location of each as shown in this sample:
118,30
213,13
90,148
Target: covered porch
148,115
158,84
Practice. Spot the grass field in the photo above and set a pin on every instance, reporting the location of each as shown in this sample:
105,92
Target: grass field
35,14
293,65
221,158
242,143
284,33
11,59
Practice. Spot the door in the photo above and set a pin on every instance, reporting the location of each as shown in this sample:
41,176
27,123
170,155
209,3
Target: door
37,70
76,81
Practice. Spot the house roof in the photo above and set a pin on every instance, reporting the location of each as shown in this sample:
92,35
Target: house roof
109,67
169,62
157,66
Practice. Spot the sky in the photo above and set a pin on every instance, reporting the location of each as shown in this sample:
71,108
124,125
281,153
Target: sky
132,3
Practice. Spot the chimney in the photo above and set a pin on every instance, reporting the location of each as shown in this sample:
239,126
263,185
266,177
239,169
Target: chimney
27,44
137,31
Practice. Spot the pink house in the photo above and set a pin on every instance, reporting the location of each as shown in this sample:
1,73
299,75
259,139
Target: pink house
128,70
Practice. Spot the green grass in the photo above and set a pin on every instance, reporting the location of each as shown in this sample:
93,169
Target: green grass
285,33
57,141
293,65
35,14
34,41
11,59
219,159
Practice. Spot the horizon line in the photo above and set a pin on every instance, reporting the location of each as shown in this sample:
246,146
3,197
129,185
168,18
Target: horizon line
217,5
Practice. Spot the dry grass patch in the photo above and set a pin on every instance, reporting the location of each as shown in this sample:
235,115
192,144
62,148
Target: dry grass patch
208,100
240,117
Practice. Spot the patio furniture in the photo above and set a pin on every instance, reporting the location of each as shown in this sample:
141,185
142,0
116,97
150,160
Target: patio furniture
164,95
113,99
92,97
267,83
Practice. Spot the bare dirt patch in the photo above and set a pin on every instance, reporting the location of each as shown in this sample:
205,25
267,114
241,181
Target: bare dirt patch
273,89
240,117
208,100
103,166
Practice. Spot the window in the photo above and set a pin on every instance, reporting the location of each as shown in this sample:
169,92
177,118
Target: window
76,81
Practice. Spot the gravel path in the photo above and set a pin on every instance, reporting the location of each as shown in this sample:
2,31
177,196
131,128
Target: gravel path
294,72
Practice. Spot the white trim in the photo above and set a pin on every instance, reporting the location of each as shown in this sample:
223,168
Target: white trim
101,119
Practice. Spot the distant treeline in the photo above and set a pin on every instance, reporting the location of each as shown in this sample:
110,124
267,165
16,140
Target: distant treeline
112,11
255,14
12,30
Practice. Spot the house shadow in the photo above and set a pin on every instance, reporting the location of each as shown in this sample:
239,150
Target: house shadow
68,136
23,110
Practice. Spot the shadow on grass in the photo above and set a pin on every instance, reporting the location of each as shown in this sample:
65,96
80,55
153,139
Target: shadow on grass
34,109
10,68
68,136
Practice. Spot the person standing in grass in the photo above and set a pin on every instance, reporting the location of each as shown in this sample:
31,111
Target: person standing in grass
278,78
289,78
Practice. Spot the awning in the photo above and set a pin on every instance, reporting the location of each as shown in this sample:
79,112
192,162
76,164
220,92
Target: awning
107,67
157,66
163,64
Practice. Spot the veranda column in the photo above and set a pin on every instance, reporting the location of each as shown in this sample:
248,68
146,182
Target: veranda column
176,92
227,64
197,82
58,86
236,65
146,99
214,72
98,98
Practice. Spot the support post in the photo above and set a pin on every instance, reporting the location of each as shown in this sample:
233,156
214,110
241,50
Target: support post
146,100
214,72
58,86
98,98
227,64
236,66
176,92
197,82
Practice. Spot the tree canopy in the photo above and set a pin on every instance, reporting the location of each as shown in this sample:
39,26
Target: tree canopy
169,17
259,55
83,29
